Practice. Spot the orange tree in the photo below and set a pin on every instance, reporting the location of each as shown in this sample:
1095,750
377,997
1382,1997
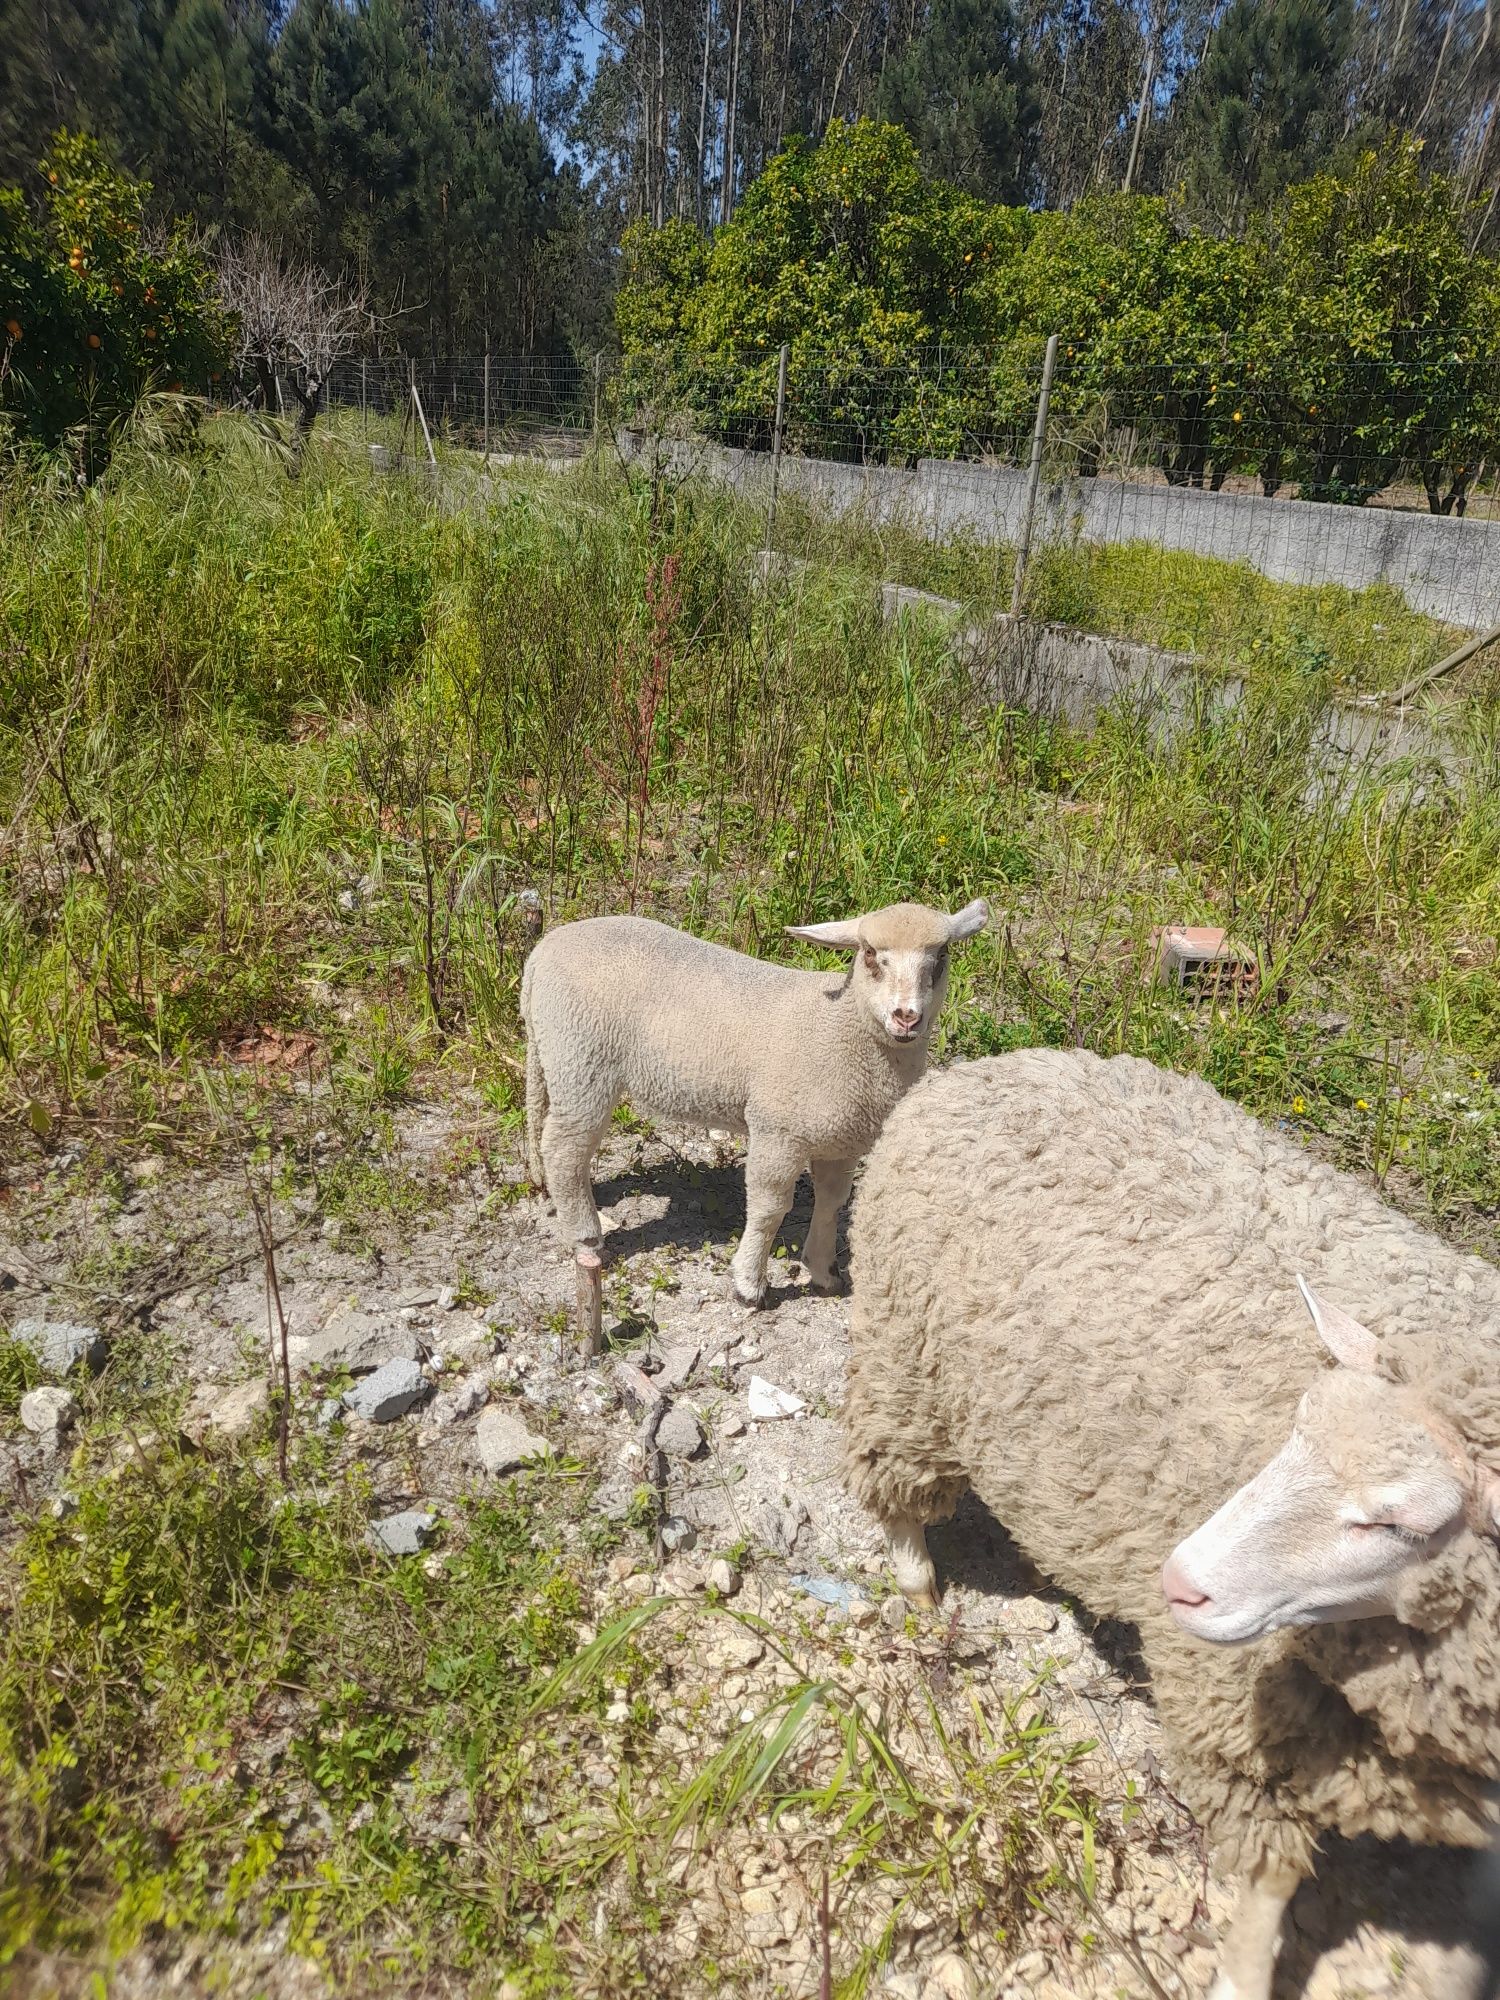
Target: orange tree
94,310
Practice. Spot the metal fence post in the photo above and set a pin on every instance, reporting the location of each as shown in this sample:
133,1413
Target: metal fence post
486,403
776,451
364,396
1034,475
598,386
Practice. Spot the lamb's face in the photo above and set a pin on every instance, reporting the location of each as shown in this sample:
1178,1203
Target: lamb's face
903,987
1339,1525
900,970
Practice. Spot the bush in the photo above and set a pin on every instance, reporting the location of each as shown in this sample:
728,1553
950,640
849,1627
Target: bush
96,312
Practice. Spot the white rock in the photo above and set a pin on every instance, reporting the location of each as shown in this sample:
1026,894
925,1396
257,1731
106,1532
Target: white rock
504,1443
732,1426
387,1394
60,1344
234,1414
401,1534
767,1403
461,1401
948,1978
723,1577
48,1410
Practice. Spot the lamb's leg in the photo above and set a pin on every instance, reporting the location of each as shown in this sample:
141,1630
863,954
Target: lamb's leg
1248,1962
771,1171
832,1180
916,1579
568,1148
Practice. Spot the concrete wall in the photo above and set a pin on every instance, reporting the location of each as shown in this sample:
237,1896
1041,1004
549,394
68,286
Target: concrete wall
1446,568
1070,676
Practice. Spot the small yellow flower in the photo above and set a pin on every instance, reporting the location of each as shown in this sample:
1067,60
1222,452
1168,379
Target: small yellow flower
1298,1105
942,840
1239,416
1360,1104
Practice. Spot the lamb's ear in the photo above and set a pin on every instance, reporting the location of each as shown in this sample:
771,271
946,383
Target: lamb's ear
971,918
1341,1333
842,937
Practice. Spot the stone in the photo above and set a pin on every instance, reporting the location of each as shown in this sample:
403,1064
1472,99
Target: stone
234,1414
732,1426
893,1614
1031,1965
739,1646
723,1577
677,1365
387,1394
504,1443
403,1534
949,1978
863,1611
768,1404
47,1411
677,1534
358,1341
60,1344
679,1434
446,1299
459,1402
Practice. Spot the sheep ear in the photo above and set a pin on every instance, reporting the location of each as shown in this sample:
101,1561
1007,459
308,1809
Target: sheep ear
971,918
1347,1341
842,937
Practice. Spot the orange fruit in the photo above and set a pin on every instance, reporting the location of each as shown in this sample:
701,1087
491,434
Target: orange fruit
13,328
150,332
93,340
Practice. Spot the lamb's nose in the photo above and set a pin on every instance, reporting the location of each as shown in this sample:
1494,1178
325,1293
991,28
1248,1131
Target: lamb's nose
1177,1589
904,1017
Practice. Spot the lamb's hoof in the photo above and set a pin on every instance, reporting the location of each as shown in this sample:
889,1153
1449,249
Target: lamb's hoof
921,1600
754,1300
827,1288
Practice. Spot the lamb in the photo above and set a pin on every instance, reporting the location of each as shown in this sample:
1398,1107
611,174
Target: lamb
806,1064
1095,1292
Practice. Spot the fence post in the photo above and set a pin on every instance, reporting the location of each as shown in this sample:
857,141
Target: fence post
422,417
486,404
1034,475
598,387
364,398
776,451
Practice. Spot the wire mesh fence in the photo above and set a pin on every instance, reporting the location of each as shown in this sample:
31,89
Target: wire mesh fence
1377,485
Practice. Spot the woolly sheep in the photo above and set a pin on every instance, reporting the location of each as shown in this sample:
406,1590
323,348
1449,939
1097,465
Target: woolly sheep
806,1064
1076,1289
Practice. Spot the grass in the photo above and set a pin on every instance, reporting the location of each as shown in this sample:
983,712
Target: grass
277,762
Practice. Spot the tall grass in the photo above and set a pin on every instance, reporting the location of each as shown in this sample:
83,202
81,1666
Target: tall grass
277,757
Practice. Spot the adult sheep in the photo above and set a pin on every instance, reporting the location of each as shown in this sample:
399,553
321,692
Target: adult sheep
1076,1289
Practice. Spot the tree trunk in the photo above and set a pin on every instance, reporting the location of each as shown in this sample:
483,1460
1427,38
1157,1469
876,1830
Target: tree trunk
726,196
708,35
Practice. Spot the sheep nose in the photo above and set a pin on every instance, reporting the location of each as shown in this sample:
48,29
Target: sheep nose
1177,1589
904,1017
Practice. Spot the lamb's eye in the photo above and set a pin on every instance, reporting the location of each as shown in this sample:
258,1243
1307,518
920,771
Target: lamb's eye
872,961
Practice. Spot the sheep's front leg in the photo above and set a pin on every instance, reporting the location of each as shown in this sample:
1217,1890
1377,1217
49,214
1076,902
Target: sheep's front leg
1248,1962
771,1171
832,1180
916,1579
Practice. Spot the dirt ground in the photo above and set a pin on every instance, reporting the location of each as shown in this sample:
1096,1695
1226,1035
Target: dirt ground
1376,1921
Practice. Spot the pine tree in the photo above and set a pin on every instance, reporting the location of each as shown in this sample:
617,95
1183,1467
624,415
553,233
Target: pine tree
1264,106
964,93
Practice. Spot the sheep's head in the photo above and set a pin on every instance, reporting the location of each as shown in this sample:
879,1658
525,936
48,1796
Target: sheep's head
1350,1517
901,961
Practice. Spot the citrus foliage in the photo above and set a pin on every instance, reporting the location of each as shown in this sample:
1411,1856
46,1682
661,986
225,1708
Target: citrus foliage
94,312
1345,334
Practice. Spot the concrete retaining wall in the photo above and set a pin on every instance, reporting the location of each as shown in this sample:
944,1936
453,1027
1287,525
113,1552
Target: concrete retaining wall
1070,676
1447,569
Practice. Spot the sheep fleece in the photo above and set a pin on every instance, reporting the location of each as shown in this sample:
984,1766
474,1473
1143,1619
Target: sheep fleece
1073,1289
